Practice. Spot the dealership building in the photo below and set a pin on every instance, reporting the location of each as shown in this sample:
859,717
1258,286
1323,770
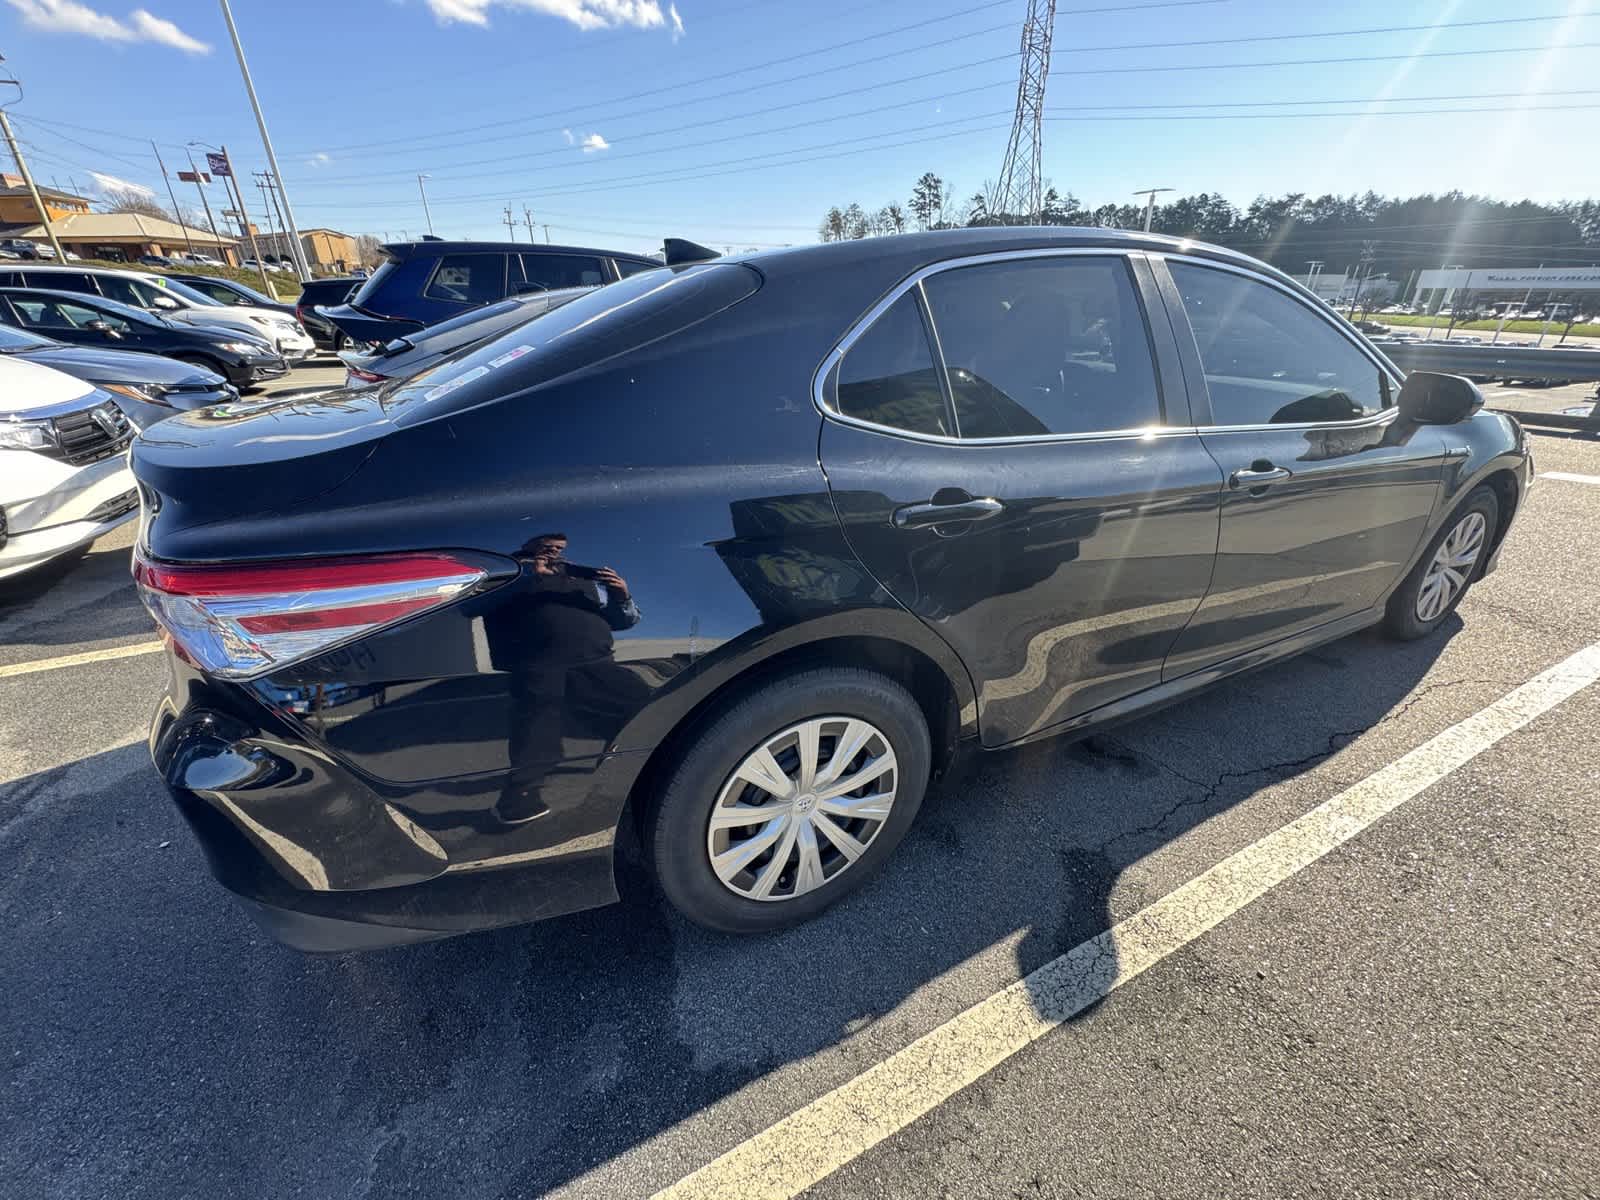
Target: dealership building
1509,283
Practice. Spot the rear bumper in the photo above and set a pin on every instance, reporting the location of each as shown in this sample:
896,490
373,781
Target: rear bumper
327,860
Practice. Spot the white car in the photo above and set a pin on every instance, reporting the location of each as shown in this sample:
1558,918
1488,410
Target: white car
177,301
64,477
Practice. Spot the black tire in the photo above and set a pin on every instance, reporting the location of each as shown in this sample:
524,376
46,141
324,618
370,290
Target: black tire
1400,619
678,827
339,342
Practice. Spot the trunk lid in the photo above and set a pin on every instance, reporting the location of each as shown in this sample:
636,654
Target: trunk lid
249,461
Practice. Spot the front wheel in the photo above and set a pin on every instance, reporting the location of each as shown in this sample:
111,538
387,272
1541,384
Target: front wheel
790,799
1452,562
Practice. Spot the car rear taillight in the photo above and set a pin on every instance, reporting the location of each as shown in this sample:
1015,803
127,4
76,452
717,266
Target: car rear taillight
243,620
357,375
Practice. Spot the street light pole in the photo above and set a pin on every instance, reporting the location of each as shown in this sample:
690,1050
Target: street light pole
296,253
1150,203
424,192
173,196
231,179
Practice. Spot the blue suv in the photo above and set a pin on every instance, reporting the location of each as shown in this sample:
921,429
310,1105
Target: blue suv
422,283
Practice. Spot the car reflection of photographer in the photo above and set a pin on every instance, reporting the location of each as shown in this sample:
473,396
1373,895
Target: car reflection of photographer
552,635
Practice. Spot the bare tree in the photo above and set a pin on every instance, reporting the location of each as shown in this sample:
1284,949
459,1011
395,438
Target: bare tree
136,202
368,250
832,228
855,222
896,217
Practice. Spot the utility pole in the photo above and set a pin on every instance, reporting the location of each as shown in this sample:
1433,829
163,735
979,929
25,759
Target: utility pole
296,254
199,186
511,224
27,177
1150,203
273,235
527,216
269,193
547,235
176,215
424,191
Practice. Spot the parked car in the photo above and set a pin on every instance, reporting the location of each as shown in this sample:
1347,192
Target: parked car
403,357
25,249
147,387
161,293
64,479
422,283
201,260
158,260
314,292
240,358
738,555
226,291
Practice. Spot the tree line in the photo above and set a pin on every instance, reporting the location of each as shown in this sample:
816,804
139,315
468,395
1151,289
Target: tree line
1397,234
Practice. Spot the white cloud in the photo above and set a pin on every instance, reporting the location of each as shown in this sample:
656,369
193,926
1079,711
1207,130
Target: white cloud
320,159
150,28
567,133
69,16
112,184
585,14
595,142
676,20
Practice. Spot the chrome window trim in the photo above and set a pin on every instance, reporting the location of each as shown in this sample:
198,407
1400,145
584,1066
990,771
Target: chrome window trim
1350,335
835,356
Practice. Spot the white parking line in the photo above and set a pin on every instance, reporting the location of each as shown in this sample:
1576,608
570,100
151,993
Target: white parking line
786,1158
1569,477
74,660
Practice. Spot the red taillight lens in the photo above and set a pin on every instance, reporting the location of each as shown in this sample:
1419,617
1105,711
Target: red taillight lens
357,375
243,620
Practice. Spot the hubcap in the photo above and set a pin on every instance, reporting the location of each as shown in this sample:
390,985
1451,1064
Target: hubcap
802,808
1451,567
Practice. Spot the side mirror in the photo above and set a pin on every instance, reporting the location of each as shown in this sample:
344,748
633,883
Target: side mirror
103,328
165,302
1429,398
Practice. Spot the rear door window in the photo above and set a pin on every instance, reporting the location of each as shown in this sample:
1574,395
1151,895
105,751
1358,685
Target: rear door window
468,279
889,376
63,281
626,267
1042,346
125,291
563,270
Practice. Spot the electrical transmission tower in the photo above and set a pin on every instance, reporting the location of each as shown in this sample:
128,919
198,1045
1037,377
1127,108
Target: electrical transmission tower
1018,192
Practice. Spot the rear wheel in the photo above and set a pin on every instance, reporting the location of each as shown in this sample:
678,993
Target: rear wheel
1453,561
790,798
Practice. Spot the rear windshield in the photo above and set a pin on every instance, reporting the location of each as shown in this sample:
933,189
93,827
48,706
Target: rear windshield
374,282
607,321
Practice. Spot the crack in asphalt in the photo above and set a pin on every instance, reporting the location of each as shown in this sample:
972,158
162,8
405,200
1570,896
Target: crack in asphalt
1123,753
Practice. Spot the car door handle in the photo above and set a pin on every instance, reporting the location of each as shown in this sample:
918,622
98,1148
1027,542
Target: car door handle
1255,477
919,516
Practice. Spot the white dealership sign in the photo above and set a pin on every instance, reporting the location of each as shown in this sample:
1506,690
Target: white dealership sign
1488,279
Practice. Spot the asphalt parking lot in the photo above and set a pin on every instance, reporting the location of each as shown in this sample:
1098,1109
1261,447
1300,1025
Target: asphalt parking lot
1412,1012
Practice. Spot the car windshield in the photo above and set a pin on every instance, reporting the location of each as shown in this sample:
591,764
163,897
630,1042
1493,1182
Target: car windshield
251,294
13,341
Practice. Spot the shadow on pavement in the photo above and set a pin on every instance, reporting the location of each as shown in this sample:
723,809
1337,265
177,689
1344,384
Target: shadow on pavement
85,597
158,1046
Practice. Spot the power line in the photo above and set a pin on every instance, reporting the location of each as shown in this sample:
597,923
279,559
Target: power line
748,163
411,142
364,182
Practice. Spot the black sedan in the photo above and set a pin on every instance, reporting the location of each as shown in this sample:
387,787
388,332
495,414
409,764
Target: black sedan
148,388
736,557
240,358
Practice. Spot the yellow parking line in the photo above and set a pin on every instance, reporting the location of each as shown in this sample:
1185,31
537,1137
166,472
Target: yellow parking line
74,660
785,1159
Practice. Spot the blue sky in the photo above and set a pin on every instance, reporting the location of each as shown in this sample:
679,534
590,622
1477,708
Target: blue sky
738,122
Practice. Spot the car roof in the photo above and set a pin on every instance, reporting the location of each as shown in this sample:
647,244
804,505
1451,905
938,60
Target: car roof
79,269
404,250
907,252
